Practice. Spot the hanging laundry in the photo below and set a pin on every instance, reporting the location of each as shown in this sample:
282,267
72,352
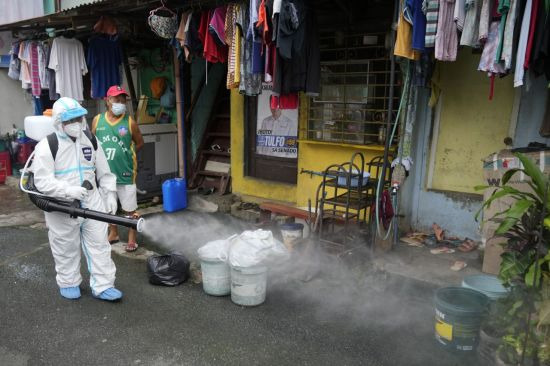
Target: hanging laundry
68,61
212,51
508,42
14,67
104,60
536,10
403,41
290,40
50,75
522,44
233,39
181,34
35,70
252,18
503,9
413,14
250,83
470,33
446,39
217,25
192,43
43,49
275,18
431,9
484,21
459,14
298,65
487,62
25,58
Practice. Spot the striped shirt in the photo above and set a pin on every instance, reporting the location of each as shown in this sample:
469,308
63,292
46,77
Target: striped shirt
431,9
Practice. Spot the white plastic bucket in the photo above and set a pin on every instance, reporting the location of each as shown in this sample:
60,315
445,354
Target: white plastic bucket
248,285
216,277
292,234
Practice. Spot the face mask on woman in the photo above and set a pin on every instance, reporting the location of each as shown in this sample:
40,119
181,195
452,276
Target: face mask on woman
118,109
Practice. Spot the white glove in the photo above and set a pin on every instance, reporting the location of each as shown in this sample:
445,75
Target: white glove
111,203
76,193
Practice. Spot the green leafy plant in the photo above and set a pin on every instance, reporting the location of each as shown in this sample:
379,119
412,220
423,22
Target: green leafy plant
525,267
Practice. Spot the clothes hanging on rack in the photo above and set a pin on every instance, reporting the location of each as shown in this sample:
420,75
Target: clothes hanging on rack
212,51
69,63
403,41
298,65
446,39
250,84
431,9
522,44
233,39
415,16
509,30
484,21
104,59
470,33
14,67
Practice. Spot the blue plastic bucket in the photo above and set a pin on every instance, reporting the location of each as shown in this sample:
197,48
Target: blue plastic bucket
174,192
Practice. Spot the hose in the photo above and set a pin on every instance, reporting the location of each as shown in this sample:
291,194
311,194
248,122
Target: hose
377,201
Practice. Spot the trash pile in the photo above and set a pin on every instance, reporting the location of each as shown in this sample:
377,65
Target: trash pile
238,265
440,243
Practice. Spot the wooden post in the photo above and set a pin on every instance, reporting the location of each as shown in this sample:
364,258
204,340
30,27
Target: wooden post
129,79
179,110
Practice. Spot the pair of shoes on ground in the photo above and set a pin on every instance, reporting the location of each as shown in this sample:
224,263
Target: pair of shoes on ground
73,293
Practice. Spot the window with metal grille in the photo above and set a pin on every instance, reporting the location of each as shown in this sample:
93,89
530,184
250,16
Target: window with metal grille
355,82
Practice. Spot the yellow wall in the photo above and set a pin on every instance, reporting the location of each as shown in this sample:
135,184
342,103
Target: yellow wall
471,127
246,185
315,156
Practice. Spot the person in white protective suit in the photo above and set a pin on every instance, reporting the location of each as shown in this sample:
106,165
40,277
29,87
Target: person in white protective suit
78,159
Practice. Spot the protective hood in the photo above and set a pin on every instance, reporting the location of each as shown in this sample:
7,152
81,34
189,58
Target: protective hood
65,109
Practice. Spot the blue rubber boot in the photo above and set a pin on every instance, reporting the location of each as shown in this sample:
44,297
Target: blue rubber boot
111,294
71,293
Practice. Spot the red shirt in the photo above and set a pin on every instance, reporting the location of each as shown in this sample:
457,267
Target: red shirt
212,51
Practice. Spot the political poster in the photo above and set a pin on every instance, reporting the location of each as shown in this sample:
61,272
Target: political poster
276,128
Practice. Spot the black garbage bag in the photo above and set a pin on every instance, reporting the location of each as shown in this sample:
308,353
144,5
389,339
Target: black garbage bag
167,270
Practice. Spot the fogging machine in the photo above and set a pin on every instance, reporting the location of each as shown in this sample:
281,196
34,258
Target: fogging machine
73,209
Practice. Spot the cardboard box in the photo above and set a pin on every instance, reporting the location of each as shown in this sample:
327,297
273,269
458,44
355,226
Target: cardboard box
494,167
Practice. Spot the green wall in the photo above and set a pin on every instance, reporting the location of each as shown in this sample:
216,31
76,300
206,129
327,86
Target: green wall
150,69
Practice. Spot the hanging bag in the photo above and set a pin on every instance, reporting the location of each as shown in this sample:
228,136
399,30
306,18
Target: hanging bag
163,22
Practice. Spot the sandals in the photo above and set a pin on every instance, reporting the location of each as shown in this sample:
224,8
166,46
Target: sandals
131,247
467,246
114,241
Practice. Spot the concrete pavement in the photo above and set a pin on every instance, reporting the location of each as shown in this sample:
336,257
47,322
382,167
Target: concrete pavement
381,321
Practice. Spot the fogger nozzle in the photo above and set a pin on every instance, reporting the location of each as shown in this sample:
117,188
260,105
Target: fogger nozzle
49,205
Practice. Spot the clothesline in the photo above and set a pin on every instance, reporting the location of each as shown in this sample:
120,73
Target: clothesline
514,35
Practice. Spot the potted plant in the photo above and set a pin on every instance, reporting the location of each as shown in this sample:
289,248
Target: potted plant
525,267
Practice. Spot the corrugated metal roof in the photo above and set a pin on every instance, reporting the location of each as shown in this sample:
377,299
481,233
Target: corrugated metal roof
73,4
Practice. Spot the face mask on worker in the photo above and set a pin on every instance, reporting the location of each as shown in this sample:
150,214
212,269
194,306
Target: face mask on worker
73,129
118,109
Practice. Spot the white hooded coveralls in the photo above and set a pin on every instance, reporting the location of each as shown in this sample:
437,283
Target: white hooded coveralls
76,162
